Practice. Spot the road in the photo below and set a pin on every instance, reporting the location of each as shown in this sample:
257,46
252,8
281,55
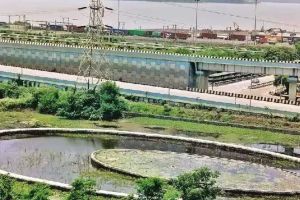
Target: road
174,94
242,87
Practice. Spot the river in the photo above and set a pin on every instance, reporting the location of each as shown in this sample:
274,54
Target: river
144,14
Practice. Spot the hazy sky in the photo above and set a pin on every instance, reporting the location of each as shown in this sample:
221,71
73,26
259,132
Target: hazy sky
142,14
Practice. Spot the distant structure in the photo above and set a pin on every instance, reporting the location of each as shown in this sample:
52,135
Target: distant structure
91,65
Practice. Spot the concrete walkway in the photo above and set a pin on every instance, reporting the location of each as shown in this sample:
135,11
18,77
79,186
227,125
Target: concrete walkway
242,87
158,92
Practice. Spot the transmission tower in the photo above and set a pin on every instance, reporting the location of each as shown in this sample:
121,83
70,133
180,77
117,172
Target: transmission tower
90,65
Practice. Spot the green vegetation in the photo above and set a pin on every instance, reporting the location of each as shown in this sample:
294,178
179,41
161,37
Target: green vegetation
5,188
15,190
221,133
82,189
197,185
29,119
150,189
38,192
104,103
200,112
278,53
11,190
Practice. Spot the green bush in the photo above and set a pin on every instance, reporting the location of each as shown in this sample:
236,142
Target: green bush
12,104
45,99
183,51
82,189
48,102
38,192
198,185
150,189
6,185
280,53
81,104
105,104
171,194
9,90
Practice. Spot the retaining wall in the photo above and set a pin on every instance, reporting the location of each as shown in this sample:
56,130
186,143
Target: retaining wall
122,66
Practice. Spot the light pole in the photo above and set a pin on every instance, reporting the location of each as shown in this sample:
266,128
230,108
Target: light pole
118,14
255,18
196,29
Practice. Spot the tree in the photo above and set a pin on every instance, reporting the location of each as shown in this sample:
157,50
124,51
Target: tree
150,189
6,185
297,46
198,185
112,106
280,54
82,189
281,80
105,104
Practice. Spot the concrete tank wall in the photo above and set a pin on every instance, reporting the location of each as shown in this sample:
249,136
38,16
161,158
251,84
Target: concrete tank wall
134,69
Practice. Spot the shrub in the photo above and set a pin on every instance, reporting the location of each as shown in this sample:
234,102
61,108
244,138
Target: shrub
82,104
198,185
295,118
82,189
10,104
280,53
6,185
105,104
171,194
150,189
167,109
9,90
48,103
183,51
46,100
38,192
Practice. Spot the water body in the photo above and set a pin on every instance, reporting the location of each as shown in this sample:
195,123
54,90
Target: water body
63,159
145,14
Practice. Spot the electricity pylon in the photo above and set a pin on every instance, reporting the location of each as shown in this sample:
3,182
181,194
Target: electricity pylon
92,64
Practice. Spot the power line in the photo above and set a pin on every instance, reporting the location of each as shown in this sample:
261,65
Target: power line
232,15
95,30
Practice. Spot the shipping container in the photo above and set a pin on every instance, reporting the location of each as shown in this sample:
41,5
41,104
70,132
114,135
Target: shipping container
148,33
136,32
115,31
239,36
156,34
208,35
172,35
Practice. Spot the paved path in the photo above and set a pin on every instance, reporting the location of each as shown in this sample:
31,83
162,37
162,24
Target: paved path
174,94
242,87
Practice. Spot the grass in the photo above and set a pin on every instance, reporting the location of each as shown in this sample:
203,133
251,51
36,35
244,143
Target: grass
30,119
214,115
222,133
23,188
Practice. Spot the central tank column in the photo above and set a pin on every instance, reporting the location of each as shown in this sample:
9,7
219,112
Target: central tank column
293,88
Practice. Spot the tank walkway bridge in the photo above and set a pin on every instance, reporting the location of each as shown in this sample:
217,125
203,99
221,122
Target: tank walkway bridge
143,67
